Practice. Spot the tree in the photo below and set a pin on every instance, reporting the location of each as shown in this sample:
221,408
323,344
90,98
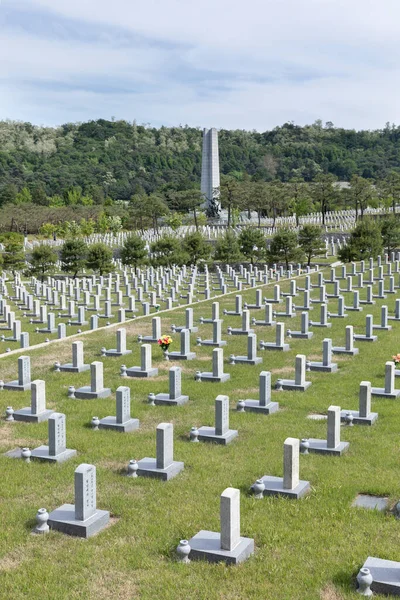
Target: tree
227,248
43,261
360,193
390,229
259,198
187,200
8,193
13,257
231,194
99,258
284,247
323,192
73,256
390,188
310,241
252,244
134,252
167,251
196,248
300,201
365,241
23,197
148,208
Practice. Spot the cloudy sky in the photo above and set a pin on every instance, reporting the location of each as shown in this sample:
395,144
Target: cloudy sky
250,64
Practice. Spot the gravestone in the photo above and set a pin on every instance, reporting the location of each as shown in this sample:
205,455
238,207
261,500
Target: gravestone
227,546
279,340
123,421
326,366
349,347
299,383
290,485
37,411
264,404
120,350
57,450
175,396
362,416
332,445
145,369
251,358
81,519
23,382
185,353
217,375
220,434
163,466
389,391
77,365
96,388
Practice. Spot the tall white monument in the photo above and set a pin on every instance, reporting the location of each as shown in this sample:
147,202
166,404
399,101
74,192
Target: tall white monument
210,181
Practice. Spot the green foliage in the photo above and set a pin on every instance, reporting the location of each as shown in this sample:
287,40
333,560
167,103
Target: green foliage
252,244
167,251
47,230
227,248
43,261
310,241
99,258
390,229
284,248
134,251
14,256
174,220
365,241
8,193
196,247
23,197
73,256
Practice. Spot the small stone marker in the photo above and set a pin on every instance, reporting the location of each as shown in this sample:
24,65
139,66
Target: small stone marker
220,434
264,404
145,369
362,416
389,391
96,388
332,445
123,421
299,383
175,396
227,546
77,365
217,374
289,485
23,383
81,519
37,412
57,450
163,466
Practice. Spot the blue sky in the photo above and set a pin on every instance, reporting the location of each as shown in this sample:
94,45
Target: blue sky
222,63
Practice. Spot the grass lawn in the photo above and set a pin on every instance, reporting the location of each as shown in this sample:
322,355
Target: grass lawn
308,549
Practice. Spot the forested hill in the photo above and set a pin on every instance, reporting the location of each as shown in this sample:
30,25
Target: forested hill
118,159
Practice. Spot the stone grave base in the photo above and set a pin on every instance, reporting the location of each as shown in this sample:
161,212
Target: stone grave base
380,393
14,386
357,420
243,360
137,372
111,423
114,352
63,519
105,316
179,356
147,339
48,330
353,309
274,487
285,315
205,376
317,324
364,338
79,323
319,366
300,335
255,406
42,453
206,545
386,575
369,502
379,327
342,350
25,414
291,385
273,346
211,343
69,368
85,393
240,332
166,399
264,323
148,468
179,328
337,316
207,434
321,447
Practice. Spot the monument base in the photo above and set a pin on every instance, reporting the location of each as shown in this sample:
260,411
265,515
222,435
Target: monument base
166,399
63,519
137,372
343,350
255,406
206,545
85,393
25,414
114,352
291,385
205,376
111,423
179,356
386,575
14,386
243,360
42,453
274,487
357,420
272,346
380,393
148,468
207,434
319,366
69,368
321,447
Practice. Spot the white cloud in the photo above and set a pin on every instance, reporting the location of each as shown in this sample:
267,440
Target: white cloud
223,63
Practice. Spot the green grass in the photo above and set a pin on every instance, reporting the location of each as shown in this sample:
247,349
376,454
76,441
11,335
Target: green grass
307,549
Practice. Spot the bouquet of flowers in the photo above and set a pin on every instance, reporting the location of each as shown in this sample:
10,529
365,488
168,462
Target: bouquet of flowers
164,342
396,359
